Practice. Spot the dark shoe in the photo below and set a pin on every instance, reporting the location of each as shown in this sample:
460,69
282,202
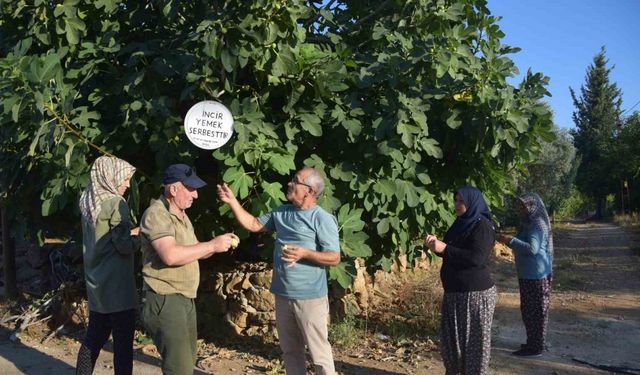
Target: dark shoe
526,352
546,347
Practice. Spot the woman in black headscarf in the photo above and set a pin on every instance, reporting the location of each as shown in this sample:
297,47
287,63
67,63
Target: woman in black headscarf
469,293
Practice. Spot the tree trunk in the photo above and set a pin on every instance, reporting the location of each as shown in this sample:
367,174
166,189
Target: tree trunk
8,258
599,208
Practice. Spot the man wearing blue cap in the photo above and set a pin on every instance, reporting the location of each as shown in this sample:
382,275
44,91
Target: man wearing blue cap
170,269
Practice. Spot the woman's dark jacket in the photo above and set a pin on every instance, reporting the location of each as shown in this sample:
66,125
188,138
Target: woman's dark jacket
465,260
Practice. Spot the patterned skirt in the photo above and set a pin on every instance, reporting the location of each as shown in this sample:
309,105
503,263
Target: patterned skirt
534,306
465,337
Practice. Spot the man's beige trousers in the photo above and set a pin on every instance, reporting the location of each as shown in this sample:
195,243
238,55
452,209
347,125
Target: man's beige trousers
301,322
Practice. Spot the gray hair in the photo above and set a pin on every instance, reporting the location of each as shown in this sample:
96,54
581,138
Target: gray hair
167,187
315,180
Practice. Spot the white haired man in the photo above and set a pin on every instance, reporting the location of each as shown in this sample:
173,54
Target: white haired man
306,242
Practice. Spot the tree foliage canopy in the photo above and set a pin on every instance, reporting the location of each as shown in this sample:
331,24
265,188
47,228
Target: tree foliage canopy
396,102
629,159
630,145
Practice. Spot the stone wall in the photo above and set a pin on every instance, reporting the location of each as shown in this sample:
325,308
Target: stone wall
238,301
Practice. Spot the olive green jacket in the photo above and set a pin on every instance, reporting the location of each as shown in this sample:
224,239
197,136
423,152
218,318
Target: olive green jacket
108,252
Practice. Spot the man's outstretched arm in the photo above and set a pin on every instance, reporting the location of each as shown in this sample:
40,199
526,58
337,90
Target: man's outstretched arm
245,219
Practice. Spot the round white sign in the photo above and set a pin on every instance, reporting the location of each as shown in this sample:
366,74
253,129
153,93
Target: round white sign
208,125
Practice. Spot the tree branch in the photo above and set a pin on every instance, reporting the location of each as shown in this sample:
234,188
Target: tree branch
65,122
374,13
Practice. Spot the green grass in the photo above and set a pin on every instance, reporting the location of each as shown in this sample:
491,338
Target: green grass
349,332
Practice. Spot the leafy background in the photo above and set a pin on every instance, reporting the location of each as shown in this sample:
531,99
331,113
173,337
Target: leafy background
397,103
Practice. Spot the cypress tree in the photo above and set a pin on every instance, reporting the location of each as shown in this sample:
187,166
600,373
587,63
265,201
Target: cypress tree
596,118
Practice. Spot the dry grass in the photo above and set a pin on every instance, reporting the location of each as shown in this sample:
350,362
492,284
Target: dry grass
414,313
411,312
632,220
631,223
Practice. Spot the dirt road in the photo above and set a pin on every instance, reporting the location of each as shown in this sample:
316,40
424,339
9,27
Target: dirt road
595,306
595,316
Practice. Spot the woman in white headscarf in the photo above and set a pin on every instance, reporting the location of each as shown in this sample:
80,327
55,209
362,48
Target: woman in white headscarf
109,244
533,250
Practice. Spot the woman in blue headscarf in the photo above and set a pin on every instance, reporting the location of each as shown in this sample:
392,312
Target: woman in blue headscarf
533,251
469,293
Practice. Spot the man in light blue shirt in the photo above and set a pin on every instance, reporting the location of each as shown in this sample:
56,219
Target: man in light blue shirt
306,242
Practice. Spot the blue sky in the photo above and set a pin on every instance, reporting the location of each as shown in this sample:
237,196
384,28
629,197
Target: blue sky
560,38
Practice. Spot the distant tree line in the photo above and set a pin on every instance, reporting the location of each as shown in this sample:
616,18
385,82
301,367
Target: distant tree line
594,168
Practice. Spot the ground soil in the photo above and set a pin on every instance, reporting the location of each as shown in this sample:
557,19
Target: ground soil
595,317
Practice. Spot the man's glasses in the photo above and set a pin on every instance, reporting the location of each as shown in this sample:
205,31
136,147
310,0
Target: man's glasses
295,181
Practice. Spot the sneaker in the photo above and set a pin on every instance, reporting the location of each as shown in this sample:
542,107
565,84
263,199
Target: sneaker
526,352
